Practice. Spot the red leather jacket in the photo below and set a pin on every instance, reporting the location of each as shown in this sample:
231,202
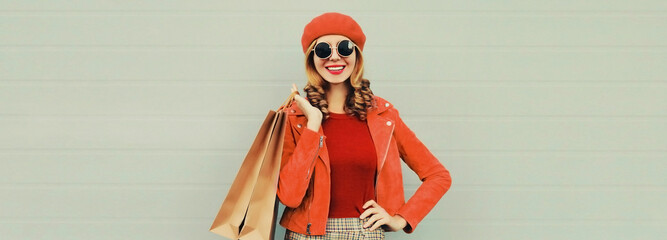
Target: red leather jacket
304,183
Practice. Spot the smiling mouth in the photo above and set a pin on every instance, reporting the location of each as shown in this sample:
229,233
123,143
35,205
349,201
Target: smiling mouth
335,68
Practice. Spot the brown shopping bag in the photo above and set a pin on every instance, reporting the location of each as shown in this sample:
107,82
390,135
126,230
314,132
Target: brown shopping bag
250,207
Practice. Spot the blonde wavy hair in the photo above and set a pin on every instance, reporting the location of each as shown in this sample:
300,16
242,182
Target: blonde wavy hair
359,98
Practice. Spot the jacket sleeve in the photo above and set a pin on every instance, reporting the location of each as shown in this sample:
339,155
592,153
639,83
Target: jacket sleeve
297,164
435,178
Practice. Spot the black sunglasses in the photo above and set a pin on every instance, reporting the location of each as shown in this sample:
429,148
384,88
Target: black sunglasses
323,50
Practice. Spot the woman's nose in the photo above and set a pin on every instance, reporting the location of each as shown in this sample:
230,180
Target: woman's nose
334,56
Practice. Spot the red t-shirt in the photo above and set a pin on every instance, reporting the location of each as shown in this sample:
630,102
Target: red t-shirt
353,164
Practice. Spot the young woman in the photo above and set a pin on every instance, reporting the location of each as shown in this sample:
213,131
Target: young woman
340,175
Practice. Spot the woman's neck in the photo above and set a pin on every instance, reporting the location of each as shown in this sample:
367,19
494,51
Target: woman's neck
336,97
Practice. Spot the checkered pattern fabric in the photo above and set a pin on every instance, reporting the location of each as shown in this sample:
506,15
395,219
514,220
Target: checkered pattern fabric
341,229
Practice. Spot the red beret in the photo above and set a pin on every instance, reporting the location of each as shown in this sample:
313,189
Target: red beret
333,23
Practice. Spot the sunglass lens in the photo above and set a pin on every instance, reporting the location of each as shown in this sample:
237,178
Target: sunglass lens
345,48
323,50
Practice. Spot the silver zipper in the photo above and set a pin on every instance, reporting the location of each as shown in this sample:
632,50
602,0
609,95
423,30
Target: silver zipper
377,173
308,174
314,158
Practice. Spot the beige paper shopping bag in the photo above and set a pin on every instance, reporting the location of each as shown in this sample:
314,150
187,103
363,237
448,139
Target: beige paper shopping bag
232,213
260,219
249,209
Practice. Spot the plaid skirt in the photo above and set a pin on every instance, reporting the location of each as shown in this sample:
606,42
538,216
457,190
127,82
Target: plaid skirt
341,229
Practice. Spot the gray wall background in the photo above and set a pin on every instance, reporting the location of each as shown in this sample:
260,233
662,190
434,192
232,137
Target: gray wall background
129,119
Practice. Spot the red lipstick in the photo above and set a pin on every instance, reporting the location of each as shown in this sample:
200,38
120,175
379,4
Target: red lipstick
335,69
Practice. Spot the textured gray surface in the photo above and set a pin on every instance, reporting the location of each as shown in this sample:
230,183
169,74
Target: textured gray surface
129,120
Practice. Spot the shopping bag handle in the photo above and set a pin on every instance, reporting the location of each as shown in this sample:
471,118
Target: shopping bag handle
289,101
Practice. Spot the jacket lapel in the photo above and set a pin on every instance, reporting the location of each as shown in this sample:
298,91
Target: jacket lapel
381,129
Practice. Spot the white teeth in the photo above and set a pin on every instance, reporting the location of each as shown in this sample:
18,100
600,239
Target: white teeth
336,68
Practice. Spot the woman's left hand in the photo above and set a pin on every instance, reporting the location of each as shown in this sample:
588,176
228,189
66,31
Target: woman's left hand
379,217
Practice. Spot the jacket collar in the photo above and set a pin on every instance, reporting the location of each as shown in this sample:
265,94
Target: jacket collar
381,128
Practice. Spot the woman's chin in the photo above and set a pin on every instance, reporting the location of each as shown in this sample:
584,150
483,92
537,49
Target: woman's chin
336,79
